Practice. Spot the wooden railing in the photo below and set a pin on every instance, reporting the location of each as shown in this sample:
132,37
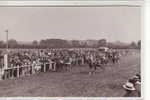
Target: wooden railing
26,70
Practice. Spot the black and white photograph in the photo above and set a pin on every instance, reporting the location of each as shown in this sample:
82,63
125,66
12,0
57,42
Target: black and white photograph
70,51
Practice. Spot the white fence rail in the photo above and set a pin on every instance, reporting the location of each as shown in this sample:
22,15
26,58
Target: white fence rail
26,70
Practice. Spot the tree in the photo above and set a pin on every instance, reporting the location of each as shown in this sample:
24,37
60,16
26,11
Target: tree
35,43
85,45
75,43
102,43
42,44
2,44
133,45
54,43
139,44
12,43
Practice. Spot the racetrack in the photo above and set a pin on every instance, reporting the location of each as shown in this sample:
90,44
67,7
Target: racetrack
103,83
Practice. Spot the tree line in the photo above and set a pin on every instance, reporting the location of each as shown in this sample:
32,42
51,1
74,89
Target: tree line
61,43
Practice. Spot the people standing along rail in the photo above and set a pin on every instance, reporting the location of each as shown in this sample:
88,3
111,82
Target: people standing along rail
28,61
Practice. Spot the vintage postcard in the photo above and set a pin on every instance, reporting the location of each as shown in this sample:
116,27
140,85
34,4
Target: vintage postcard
72,50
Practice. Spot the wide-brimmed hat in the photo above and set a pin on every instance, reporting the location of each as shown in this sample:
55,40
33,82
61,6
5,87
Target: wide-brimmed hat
129,86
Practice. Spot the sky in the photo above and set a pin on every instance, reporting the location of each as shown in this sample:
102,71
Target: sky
114,23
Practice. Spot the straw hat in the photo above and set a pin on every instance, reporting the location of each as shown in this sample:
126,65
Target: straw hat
129,86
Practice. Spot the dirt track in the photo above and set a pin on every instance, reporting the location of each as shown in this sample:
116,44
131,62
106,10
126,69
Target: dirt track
75,83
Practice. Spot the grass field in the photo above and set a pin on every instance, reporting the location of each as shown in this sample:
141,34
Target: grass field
104,83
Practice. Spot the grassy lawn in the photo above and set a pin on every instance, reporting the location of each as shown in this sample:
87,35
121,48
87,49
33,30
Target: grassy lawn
103,83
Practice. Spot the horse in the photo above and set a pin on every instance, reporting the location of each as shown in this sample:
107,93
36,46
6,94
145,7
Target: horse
94,64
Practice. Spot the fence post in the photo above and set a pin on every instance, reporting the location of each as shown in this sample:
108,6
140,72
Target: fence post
49,66
82,61
32,69
2,72
17,71
5,61
44,67
54,66
23,71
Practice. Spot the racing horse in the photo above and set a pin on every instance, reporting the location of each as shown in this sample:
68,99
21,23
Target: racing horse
94,64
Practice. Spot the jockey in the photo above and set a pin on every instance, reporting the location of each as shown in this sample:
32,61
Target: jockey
91,63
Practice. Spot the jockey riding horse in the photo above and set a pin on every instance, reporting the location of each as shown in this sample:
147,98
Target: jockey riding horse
94,62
